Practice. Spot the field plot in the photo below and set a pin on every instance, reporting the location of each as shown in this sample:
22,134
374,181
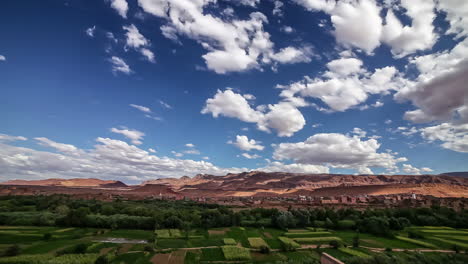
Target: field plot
306,234
257,242
236,253
417,242
229,241
168,233
289,243
314,240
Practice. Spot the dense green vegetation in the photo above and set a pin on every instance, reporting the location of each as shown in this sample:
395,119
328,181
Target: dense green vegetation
185,232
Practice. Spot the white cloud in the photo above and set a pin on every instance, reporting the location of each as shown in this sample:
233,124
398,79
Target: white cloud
177,154
359,132
413,170
109,159
5,138
2,58
148,54
121,6
283,117
287,29
277,8
141,108
119,65
439,91
152,150
138,42
192,152
249,156
244,143
277,166
405,40
206,158
338,151
134,135
292,55
164,104
346,84
90,31
359,24
356,23
232,45
388,122
344,66
457,15
454,137
231,104
64,148
190,145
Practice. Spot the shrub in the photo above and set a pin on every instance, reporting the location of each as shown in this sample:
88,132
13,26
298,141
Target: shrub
264,250
334,244
12,250
47,236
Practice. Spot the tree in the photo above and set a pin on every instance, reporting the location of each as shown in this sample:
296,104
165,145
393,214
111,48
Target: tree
47,236
13,250
264,250
356,241
335,244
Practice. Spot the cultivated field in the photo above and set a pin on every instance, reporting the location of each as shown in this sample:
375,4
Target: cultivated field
219,245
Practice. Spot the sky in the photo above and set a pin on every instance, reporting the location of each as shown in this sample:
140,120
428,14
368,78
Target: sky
135,90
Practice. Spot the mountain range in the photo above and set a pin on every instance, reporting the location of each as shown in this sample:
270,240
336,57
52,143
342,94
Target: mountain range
258,183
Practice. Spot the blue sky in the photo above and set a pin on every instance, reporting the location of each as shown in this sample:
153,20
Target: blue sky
140,89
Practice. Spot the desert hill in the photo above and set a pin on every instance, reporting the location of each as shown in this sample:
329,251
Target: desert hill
265,184
77,182
278,183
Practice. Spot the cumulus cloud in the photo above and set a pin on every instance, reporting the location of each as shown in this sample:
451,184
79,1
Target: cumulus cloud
119,65
277,166
138,42
407,168
121,6
134,135
190,145
244,143
144,109
439,92
356,23
454,137
233,45
277,11
111,159
405,40
338,151
346,84
2,58
283,117
457,16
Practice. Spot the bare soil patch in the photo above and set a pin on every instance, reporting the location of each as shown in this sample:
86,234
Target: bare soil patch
177,257
267,235
161,258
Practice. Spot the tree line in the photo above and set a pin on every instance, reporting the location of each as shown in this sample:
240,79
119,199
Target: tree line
63,210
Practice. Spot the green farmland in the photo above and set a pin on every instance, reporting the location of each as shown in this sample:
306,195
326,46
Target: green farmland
236,244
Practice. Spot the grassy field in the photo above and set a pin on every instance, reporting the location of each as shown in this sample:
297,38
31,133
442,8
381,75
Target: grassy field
221,245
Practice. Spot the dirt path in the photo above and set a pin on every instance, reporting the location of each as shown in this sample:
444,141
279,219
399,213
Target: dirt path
412,250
